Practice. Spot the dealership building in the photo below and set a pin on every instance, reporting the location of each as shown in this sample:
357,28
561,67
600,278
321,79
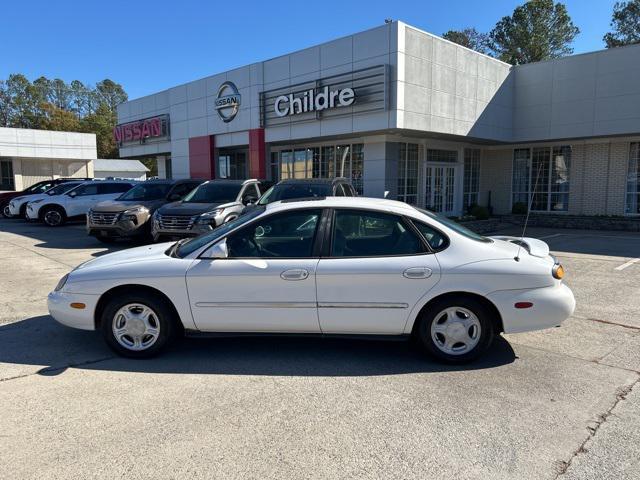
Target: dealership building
409,115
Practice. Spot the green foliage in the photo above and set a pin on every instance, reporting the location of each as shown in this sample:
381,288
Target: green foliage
55,105
625,24
470,38
519,208
538,30
480,212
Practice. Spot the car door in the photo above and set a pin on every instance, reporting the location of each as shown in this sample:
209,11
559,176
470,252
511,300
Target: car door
80,199
266,283
376,269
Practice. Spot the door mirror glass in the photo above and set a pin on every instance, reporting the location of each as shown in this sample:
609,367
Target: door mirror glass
219,250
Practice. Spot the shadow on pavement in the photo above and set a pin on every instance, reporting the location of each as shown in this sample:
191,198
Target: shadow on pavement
40,341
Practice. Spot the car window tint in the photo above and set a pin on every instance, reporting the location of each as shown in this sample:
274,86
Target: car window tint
183,188
339,190
371,234
436,240
108,188
288,235
91,189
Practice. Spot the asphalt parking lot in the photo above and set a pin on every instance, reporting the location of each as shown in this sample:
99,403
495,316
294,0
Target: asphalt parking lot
562,403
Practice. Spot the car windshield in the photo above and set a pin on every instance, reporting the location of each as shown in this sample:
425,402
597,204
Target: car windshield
292,190
455,226
147,191
214,193
62,188
39,187
193,244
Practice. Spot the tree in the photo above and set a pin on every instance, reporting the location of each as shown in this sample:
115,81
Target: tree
470,38
110,93
538,30
625,23
101,122
58,119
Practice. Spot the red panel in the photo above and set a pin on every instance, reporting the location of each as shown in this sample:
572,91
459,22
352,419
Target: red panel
257,154
201,157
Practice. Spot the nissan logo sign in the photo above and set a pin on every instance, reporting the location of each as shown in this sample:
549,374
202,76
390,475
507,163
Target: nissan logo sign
228,101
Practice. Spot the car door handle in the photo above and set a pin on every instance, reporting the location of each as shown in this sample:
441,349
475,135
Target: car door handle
417,272
294,274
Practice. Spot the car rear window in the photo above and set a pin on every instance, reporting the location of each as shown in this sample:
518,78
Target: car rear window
292,191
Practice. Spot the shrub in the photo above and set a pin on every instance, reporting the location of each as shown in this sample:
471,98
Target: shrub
519,208
480,212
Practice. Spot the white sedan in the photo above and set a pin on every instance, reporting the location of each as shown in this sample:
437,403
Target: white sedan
334,266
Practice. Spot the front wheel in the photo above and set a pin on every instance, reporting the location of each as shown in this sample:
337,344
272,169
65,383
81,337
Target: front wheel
54,216
456,330
138,325
6,213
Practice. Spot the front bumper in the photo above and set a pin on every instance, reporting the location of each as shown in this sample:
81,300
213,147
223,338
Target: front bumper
551,306
59,305
14,208
175,234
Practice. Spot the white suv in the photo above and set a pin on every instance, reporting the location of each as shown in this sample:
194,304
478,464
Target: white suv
77,202
18,206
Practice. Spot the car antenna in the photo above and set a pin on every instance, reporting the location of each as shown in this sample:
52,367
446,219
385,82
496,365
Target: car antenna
526,220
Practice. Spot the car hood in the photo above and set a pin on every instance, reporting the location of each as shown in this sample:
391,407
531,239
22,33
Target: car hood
130,255
120,205
182,208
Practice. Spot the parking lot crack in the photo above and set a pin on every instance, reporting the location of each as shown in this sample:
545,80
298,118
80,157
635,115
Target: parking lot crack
601,419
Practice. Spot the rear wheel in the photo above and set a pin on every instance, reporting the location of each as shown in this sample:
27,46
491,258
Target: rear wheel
456,330
54,216
138,325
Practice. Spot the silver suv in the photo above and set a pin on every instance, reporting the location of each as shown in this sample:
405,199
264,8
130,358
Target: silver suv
211,204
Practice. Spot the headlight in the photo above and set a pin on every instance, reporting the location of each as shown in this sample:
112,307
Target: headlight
558,271
209,217
136,211
61,283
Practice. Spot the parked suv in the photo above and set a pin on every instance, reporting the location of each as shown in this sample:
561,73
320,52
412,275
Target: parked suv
305,188
39,187
211,204
18,206
77,202
128,215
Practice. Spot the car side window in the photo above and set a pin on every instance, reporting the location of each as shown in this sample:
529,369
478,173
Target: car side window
182,189
436,240
287,235
107,188
91,189
339,191
250,194
359,233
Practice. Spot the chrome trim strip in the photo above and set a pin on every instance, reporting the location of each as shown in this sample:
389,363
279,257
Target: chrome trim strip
257,304
362,305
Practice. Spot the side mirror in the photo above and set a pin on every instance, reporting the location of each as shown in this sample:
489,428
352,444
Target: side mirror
219,250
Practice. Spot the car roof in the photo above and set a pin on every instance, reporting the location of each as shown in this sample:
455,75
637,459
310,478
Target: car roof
312,181
227,181
344,202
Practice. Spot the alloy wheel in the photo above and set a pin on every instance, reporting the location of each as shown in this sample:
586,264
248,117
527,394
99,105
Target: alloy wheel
53,218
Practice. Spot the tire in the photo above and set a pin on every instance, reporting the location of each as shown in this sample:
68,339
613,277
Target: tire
137,339
455,329
5,211
53,216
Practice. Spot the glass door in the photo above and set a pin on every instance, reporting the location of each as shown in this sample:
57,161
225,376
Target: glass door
440,184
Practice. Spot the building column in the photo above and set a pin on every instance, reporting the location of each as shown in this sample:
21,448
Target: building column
257,154
201,157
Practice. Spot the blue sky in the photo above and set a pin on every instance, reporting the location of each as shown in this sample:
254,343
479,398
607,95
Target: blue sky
149,46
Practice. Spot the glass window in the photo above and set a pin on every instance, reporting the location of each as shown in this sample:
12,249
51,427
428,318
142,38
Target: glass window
286,235
183,188
436,240
147,191
109,188
357,167
449,156
6,175
39,187
633,181
372,234
232,165
328,162
471,177
287,191
541,176
62,188
89,189
408,173
214,192
455,226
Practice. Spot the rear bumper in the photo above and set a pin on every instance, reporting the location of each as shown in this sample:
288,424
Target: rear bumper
551,306
59,305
